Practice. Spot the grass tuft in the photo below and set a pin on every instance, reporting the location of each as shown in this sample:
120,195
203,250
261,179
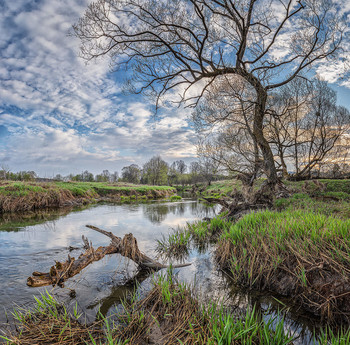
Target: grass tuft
294,253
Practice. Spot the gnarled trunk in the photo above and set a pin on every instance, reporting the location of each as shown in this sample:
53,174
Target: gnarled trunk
259,114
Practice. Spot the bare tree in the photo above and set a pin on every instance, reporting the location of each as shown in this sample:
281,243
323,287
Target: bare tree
284,130
114,177
224,122
181,166
184,45
306,127
4,172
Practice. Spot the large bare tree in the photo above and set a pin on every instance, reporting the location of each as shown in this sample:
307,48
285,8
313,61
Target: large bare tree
185,45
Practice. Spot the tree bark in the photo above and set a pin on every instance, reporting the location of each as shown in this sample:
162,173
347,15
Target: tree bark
269,162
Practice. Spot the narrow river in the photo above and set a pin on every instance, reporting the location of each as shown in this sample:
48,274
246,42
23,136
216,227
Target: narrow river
33,243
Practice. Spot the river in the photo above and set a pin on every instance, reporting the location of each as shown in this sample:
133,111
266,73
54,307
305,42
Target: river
33,243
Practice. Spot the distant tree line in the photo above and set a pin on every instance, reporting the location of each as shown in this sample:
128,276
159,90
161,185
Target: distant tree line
6,174
156,171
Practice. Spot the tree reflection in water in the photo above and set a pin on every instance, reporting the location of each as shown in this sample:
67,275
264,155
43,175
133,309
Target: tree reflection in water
157,213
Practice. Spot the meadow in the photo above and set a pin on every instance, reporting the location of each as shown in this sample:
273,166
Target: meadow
28,196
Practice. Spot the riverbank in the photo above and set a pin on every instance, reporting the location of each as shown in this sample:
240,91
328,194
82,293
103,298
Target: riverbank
170,314
326,196
299,249
29,196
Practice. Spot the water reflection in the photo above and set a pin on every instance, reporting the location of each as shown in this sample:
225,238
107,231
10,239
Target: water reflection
158,212
14,221
29,243
34,241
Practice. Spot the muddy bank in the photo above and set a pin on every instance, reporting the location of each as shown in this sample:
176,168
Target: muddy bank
30,196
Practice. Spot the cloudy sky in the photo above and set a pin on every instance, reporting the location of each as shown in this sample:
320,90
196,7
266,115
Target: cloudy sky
59,115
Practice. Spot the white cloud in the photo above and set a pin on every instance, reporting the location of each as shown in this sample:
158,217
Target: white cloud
64,115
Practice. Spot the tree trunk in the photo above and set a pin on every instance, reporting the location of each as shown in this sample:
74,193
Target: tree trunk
269,162
284,166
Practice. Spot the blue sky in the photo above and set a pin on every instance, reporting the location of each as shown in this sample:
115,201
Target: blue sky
59,115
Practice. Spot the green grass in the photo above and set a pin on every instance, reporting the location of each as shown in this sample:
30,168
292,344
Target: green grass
171,307
27,196
301,247
200,233
49,322
298,253
175,198
77,188
222,187
279,228
329,207
174,244
227,186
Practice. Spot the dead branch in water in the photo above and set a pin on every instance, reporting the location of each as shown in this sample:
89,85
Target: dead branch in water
126,246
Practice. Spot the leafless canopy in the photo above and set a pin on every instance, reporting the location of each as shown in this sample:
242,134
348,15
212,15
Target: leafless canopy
184,45
181,42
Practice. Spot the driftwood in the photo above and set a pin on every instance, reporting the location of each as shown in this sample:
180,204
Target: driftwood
126,246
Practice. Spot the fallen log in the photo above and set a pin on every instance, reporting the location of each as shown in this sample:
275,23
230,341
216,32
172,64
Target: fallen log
126,246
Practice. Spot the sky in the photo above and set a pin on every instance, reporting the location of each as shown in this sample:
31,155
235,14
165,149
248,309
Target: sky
61,115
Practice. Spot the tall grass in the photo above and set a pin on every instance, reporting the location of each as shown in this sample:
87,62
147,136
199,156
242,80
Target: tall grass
200,233
175,244
169,314
173,308
294,253
50,323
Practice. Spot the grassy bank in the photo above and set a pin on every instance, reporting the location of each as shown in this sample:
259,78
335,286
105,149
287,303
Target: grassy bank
28,196
169,314
293,253
329,197
299,249
331,186
297,254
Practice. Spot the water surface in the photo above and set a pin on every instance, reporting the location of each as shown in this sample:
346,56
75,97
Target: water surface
33,243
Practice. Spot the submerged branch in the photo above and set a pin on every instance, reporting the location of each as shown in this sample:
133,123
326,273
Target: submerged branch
126,246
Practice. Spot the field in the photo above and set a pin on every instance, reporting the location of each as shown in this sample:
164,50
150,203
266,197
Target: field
29,196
